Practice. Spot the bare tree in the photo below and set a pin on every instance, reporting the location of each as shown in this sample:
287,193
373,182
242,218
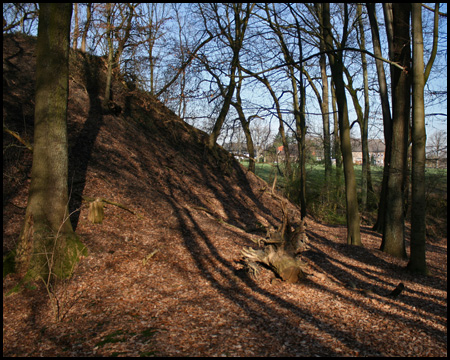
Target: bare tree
21,16
126,16
298,93
437,146
234,40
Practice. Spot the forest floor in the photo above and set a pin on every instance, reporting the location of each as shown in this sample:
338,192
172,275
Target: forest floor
166,282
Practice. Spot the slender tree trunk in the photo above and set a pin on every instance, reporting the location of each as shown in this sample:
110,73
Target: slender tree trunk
335,60
86,26
366,187
299,114
107,97
245,126
287,160
325,118
47,245
387,121
75,30
324,103
301,123
298,103
393,235
125,37
224,111
417,261
336,137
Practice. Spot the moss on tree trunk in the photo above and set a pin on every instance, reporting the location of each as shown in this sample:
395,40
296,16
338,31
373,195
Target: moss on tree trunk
47,243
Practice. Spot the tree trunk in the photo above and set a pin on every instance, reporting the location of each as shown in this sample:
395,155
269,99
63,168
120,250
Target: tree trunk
336,137
298,104
325,115
335,60
387,121
300,135
86,26
223,112
300,121
417,262
47,245
236,46
75,30
393,235
245,126
366,188
125,37
287,157
109,25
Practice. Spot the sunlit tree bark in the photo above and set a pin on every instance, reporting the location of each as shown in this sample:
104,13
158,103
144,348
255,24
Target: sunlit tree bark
393,234
417,261
47,245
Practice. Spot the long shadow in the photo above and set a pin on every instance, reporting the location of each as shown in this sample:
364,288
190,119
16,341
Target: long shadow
397,272
232,198
80,153
267,318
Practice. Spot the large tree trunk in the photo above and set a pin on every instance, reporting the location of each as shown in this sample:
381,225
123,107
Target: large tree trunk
47,245
393,235
280,251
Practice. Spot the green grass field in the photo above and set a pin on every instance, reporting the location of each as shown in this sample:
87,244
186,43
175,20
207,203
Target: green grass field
330,206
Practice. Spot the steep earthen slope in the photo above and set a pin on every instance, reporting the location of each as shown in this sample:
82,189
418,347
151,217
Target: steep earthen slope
166,282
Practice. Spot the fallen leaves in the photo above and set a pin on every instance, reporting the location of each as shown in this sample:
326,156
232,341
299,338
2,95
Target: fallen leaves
186,299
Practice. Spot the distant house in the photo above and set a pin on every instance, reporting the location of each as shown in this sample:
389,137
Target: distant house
293,152
436,162
376,151
314,149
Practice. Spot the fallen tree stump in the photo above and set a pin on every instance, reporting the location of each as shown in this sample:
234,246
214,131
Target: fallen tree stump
95,214
280,250
96,208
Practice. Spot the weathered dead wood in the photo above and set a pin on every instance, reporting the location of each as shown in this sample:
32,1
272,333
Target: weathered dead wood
280,251
103,200
18,137
95,214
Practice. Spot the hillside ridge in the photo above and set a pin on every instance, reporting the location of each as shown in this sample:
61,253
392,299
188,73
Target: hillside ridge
166,280
142,149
